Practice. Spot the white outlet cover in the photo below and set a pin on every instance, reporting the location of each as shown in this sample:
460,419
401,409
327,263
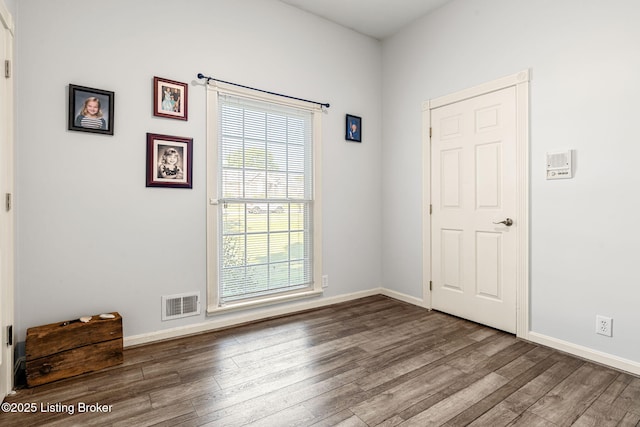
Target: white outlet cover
604,326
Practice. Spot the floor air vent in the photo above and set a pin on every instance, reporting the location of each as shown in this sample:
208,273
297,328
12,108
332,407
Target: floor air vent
181,305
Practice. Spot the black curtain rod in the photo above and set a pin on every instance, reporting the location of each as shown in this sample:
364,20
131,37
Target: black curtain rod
202,76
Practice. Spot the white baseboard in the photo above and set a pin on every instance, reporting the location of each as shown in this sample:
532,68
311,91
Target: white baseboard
236,319
402,297
586,353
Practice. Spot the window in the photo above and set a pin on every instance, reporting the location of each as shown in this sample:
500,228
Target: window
264,211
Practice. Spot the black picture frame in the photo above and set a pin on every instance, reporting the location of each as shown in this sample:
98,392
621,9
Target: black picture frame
161,171
81,118
353,128
170,99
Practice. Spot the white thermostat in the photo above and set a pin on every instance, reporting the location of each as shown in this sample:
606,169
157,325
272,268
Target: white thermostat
559,165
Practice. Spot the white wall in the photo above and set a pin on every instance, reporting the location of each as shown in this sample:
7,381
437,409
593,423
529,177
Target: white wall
585,60
91,237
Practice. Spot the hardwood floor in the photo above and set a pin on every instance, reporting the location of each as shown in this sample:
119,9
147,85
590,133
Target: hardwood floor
370,362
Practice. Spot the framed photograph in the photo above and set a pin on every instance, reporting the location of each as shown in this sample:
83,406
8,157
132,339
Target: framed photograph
169,160
353,130
170,99
90,110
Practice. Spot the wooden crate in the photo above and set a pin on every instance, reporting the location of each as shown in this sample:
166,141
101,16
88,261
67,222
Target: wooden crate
66,349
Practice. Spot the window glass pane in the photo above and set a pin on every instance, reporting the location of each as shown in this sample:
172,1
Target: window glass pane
257,249
296,130
279,247
255,124
278,217
231,153
297,246
297,271
276,185
231,123
295,184
296,158
233,280
279,275
257,279
277,157
257,218
233,254
232,187
234,218
255,155
297,216
277,127
255,183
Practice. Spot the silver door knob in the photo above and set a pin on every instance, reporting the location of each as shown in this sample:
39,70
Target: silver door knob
508,222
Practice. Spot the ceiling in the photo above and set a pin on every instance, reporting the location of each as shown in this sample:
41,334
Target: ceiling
375,18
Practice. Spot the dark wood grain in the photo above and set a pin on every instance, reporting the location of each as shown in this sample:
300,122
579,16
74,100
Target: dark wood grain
370,362
57,337
69,348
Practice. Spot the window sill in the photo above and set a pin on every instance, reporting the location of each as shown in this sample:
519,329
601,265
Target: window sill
262,302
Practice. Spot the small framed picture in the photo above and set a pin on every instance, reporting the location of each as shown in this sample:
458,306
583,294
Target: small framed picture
169,160
353,128
170,99
90,110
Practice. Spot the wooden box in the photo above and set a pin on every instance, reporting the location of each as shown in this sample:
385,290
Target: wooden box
66,349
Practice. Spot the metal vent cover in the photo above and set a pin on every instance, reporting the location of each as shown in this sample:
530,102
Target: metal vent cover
180,305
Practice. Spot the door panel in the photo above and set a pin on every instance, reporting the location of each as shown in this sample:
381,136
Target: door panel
473,166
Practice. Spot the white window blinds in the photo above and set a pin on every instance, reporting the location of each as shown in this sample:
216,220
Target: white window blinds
265,171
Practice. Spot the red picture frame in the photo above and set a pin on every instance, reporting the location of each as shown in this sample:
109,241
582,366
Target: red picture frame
170,99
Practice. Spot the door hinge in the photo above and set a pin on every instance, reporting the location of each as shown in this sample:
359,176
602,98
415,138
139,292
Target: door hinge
430,209
7,68
430,132
430,285
10,335
8,201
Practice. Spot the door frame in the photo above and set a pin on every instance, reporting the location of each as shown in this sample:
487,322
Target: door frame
520,81
7,222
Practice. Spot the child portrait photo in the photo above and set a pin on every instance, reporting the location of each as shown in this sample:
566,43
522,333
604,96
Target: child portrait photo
169,161
169,99
353,130
90,110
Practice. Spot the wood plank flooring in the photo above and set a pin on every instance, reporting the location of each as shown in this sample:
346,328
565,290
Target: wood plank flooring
371,362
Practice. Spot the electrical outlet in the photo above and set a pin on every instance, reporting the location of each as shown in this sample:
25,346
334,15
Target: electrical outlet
604,325
325,281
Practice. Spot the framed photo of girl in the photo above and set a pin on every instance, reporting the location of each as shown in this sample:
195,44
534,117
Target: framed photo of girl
169,160
90,110
353,128
170,99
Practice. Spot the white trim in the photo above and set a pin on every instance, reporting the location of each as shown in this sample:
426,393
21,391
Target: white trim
212,200
262,302
481,89
7,219
520,81
238,318
522,204
586,353
426,205
317,201
403,297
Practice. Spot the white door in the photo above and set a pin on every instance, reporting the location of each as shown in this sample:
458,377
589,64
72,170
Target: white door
473,196
6,213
